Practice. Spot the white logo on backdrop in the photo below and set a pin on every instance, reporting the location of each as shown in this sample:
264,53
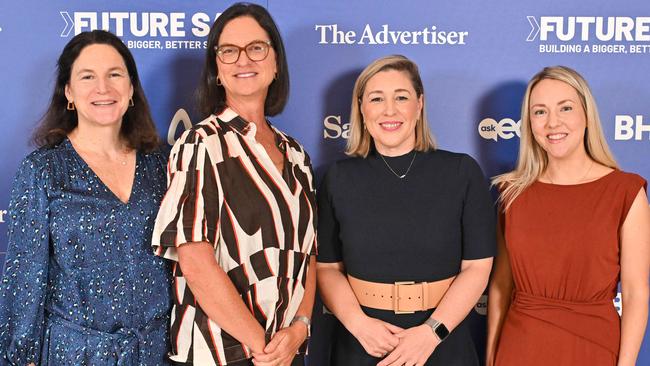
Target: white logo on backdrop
630,127
626,127
2,215
176,25
69,23
180,116
535,28
590,34
385,34
506,129
334,128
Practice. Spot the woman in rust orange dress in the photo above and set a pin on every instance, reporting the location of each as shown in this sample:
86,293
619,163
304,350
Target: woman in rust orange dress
572,226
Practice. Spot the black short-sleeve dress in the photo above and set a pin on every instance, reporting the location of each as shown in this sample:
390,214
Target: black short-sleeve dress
419,228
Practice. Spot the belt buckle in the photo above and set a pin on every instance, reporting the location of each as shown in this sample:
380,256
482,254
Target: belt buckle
396,296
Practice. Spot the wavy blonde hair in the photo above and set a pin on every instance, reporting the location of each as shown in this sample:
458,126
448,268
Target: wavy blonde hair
360,141
532,161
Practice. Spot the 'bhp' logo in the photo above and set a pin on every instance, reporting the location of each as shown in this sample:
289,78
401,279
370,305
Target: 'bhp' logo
629,127
506,128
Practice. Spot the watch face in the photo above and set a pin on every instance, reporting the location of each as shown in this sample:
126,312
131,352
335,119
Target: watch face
441,331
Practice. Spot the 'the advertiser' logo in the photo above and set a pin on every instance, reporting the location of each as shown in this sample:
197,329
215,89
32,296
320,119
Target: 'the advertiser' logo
507,128
336,34
2,215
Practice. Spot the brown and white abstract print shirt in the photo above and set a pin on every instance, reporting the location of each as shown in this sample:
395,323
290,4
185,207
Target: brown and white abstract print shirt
224,189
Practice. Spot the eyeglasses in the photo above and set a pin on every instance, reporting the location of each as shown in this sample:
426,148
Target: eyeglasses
256,51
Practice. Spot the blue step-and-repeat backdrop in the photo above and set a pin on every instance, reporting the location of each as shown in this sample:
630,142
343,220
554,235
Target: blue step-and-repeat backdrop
475,58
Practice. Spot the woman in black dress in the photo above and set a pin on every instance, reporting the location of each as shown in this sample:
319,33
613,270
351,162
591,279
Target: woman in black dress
406,231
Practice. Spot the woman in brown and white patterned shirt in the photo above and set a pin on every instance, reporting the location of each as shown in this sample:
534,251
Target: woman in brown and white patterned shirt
239,214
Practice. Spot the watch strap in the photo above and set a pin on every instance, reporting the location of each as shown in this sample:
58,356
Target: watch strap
438,328
305,320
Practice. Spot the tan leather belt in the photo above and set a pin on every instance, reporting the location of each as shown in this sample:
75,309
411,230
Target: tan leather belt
400,297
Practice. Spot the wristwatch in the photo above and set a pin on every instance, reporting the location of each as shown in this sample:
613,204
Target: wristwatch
439,329
305,320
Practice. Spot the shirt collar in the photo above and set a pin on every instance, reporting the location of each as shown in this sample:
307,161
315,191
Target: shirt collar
237,123
245,128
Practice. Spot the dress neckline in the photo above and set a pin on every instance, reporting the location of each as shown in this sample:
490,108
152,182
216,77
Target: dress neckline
563,186
396,157
68,144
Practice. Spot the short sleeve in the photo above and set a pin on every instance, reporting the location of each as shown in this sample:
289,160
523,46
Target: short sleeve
478,218
189,211
633,184
311,197
329,242
24,285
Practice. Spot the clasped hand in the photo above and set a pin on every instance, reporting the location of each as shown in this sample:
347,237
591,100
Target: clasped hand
282,348
377,337
415,346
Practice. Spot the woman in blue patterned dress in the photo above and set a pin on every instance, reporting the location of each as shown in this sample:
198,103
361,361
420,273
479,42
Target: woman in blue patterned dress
81,286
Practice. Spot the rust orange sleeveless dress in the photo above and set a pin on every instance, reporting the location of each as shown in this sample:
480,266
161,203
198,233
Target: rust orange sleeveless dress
563,245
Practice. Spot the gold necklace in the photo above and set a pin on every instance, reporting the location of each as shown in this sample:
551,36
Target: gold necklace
126,156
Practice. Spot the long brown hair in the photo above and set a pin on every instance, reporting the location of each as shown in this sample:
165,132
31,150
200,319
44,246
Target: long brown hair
138,128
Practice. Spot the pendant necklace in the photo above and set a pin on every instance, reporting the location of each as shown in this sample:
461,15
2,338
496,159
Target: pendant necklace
126,157
391,169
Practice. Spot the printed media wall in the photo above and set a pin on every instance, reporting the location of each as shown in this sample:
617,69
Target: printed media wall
475,58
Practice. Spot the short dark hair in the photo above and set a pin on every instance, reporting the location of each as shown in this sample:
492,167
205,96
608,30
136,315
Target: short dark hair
138,128
212,97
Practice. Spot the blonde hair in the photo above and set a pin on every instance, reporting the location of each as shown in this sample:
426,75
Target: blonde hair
532,161
359,143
